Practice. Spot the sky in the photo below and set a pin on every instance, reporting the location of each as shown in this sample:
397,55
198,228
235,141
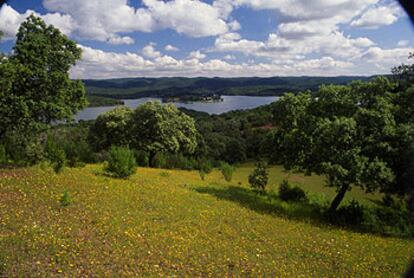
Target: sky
225,38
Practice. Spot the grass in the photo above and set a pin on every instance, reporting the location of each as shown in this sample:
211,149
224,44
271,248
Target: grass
169,222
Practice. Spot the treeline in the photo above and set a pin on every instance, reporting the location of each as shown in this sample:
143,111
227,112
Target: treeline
124,88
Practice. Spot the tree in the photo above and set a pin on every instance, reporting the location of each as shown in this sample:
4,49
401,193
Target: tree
347,133
157,128
35,88
259,177
111,128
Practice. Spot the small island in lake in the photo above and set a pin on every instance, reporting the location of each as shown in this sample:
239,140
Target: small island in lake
193,98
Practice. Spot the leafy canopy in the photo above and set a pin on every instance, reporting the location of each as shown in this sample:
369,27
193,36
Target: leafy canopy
348,133
162,128
35,88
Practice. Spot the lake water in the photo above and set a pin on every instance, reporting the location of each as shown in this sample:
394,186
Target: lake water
229,103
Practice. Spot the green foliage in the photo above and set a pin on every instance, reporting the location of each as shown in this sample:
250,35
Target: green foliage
3,155
121,162
348,133
204,165
55,154
35,88
73,140
59,161
157,128
65,199
96,101
259,178
291,193
141,158
159,160
227,170
111,128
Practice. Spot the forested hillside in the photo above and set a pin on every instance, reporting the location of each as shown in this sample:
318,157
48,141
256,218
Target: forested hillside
178,86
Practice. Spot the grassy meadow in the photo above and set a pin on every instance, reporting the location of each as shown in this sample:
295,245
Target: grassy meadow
170,222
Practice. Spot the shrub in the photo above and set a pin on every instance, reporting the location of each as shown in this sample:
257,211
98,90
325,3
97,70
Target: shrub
159,161
121,162
227,170
55,155
350,214
289,193
59,160
178,161
205,166
259,177
65,199
388,221
141,158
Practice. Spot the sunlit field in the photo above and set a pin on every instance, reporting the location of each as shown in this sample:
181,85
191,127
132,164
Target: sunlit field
170,222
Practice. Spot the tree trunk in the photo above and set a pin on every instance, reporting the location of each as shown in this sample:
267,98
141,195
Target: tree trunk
338,198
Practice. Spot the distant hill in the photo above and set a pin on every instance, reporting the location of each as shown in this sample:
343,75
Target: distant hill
178,86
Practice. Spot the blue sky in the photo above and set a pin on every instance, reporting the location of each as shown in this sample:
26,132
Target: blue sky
122,38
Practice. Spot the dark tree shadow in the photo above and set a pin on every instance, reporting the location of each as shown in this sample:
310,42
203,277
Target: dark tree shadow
266,203
269,203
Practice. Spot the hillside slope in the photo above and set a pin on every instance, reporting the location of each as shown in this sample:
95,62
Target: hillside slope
179,86
164,222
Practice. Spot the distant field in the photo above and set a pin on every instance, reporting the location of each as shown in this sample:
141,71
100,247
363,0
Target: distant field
165,223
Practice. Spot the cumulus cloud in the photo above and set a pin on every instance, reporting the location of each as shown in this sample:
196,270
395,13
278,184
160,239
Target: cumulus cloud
190,17
378,16
106,20
196,55
100,64
10,21
277,46
170,47
150,52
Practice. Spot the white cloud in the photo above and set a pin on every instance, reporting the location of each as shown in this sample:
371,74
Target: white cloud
106,20
378,16
229,57
386,58
191,17
334,44
234,25
170,47
10,21
196,55
100,64
150,52
299,10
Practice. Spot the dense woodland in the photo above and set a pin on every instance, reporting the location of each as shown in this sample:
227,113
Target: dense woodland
356,135
125,88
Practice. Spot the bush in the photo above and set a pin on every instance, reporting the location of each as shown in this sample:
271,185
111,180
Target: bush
159,160
259,177
205,166
178,161
289,193
227,170
65,199
350,214
55,155
59,161
121,162
141,158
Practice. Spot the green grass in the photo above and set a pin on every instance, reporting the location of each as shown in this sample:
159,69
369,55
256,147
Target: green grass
168,222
